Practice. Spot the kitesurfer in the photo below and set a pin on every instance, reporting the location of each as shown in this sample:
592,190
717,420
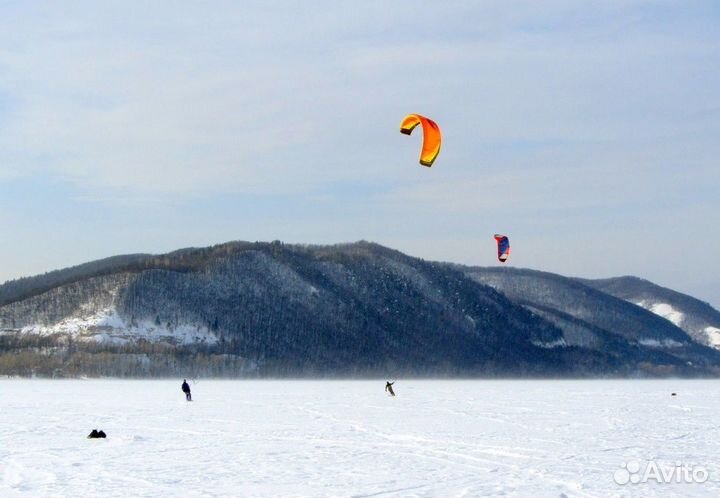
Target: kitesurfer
186,390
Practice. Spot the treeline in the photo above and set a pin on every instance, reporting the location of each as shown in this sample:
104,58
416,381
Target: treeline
53,357
49,358
43,358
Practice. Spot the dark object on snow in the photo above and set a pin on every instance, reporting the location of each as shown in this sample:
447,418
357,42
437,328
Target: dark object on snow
389,389
674,394
186,390
97,434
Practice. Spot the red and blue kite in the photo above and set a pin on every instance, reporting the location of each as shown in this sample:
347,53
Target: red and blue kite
503,244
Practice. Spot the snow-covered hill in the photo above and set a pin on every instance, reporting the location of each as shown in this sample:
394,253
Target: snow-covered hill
86,311
700,320
348,309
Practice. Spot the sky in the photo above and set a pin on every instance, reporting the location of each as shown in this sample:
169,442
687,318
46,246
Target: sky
585,131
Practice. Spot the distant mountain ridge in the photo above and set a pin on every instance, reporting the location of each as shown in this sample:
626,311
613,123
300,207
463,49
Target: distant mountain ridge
589,317
700,320
245,308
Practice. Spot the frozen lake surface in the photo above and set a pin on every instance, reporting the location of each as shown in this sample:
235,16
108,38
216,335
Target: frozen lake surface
348,439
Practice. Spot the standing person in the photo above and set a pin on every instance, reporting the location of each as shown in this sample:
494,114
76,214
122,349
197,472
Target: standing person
389,389
186,390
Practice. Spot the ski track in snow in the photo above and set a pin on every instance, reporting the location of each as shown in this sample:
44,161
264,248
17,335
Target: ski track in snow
348,439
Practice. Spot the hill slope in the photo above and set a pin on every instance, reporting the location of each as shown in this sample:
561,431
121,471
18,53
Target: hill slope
591,318
353,309
700,320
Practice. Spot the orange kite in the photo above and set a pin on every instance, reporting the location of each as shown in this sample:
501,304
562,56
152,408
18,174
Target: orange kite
431,136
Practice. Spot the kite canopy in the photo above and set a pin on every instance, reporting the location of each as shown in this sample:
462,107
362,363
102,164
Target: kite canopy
503,245
431,136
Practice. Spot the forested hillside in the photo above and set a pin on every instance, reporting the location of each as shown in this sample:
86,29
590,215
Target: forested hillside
261,309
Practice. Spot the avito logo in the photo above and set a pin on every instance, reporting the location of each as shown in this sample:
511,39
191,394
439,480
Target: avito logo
633,472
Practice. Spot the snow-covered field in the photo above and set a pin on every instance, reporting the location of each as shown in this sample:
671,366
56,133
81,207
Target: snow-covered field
348,439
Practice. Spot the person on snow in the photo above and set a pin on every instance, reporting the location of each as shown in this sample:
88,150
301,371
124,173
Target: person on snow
97,434
389,389
186,390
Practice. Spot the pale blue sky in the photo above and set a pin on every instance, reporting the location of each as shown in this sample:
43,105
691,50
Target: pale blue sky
588,132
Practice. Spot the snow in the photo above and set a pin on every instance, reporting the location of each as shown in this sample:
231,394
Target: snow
557,343
106,326
664,310
665,343
348,439
713,334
